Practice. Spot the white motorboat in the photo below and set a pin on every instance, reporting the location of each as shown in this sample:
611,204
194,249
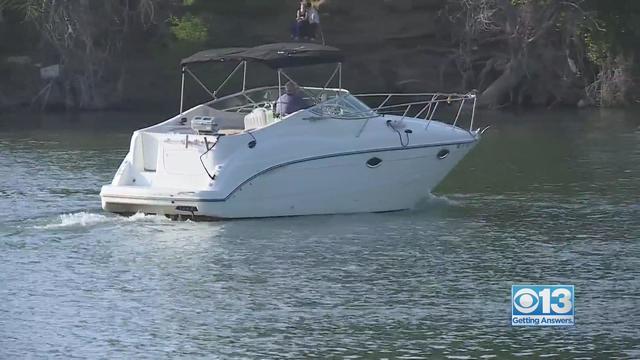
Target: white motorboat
234,157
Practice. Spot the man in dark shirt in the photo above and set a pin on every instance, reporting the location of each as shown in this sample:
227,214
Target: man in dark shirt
291,101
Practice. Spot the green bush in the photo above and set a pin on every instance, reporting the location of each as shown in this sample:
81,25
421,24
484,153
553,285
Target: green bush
189,28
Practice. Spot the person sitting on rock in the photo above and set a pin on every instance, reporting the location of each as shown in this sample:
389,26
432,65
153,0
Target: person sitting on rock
301,26
314,21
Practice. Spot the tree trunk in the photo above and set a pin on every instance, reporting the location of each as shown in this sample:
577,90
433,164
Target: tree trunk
497,92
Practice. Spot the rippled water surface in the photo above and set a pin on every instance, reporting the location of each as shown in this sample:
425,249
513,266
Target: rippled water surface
550,197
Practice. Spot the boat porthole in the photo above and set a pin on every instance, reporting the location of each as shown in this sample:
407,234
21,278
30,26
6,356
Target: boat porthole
374,162
443,154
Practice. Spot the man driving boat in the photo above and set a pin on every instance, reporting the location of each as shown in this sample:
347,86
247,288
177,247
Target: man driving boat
291,101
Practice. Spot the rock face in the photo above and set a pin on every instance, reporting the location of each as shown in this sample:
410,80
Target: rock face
19,81
391,45
416,45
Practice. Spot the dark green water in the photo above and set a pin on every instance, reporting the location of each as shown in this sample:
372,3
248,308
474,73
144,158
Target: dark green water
548,197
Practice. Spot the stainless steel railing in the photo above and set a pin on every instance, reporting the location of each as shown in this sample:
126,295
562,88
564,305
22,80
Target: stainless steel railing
451,108
424,105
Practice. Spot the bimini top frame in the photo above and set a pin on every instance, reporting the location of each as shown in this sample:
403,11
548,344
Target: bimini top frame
276,56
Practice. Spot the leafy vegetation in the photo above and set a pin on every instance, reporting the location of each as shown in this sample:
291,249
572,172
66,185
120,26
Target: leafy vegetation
557,52
515,52
189,28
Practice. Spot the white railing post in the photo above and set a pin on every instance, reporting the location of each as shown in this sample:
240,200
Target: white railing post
182,92
244,77
385,101
215,92
455,121
326,84
473,112
199,82
279,83
426,107
406,111
433,112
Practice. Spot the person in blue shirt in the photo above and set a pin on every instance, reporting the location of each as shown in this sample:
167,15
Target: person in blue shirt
291,101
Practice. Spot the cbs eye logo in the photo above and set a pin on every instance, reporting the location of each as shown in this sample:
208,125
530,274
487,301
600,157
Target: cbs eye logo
526,301
542,300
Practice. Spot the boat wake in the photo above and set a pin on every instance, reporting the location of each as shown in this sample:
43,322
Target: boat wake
437,201
85,219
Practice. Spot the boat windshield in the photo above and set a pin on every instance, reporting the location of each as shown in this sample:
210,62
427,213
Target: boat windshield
323,102
341,104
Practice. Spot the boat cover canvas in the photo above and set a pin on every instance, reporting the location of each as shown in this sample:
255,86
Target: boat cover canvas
278,55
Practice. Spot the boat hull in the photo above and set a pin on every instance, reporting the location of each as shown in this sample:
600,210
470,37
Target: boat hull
331,184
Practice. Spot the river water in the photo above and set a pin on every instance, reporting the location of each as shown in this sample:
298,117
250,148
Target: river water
547,197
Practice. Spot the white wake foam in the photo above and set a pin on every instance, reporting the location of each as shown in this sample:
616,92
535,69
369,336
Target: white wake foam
439,200
80,219
84,219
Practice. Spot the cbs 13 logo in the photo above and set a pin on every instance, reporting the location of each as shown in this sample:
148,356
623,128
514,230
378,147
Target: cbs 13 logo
542,300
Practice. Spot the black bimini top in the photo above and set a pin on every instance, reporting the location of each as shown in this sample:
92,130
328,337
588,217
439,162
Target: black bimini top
279,55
